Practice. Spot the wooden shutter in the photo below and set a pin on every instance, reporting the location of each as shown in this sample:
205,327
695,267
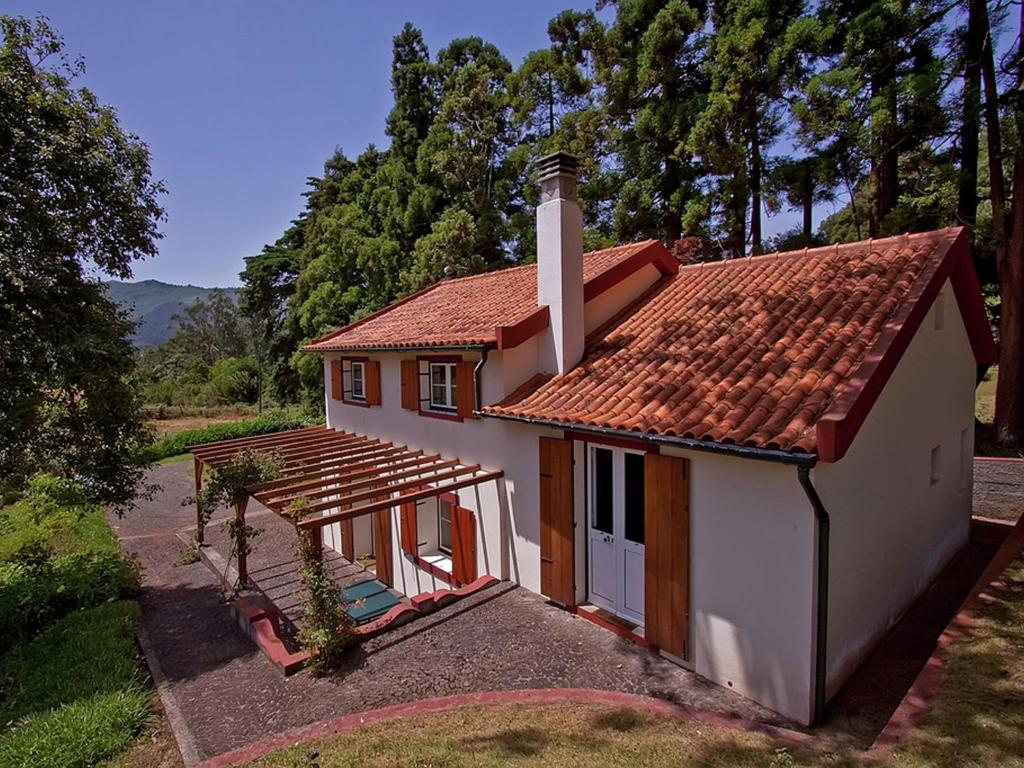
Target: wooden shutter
463,545
410,385
557,545
382,546
336,392
465,388
348,543
372,368
408,532
667,553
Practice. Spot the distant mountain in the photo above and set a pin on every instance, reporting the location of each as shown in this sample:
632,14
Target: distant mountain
154,304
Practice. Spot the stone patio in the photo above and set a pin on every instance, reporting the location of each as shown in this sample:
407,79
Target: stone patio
228,694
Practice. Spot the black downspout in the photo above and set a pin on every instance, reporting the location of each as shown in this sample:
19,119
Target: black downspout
821,627
477,383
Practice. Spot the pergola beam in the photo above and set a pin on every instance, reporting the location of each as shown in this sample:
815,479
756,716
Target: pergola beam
343,486
248,441
409,498
336,468
261,442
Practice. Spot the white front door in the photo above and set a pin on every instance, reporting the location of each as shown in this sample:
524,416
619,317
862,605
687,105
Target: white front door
615,504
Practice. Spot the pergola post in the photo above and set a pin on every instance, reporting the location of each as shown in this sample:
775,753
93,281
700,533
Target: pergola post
317,536
240,543
200,523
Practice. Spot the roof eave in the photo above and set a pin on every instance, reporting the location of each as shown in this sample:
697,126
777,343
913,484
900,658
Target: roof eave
791,458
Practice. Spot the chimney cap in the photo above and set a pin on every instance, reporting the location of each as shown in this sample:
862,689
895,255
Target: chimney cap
557,164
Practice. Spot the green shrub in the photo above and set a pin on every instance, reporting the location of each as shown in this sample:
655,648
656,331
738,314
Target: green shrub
272,421
38,587
75,695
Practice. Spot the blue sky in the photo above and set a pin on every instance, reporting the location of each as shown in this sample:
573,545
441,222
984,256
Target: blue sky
241,101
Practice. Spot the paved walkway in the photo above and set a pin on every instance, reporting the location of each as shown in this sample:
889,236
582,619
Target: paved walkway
229,695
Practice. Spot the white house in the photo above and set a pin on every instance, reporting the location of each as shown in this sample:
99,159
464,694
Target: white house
758,463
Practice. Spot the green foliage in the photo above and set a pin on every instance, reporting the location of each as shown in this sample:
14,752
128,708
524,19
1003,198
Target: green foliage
326,626
38,586
77,193
226,484
75,695
178,443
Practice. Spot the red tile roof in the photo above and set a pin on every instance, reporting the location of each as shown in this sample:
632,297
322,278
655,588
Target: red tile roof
756,351
467,311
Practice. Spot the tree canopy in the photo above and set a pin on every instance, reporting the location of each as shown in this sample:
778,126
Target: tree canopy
76,197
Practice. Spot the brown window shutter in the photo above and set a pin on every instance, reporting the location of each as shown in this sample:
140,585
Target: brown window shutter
410,385
465,388
408,532
382,546
372,368
463,546
557,545
667,552
336,379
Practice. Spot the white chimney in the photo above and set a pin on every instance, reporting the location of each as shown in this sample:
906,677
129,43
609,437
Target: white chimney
560,258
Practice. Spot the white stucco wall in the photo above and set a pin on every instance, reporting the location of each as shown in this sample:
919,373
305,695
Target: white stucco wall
505,510
892,528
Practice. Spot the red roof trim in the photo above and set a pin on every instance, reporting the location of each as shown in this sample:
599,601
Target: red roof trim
509,336
838,426
652,253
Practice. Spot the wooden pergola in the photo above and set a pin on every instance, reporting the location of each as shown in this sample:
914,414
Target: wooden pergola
341,475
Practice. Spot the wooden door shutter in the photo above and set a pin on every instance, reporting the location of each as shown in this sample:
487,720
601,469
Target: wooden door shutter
466,388
557,544
667,553
463,545
336,392
408,532
372,368
348,543
382,546
410,385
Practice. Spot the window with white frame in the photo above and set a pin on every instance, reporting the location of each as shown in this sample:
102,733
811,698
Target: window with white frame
358,380
443,395
444,526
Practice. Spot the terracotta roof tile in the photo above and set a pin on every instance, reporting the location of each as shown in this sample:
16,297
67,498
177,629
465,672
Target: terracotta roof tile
463,311
750,351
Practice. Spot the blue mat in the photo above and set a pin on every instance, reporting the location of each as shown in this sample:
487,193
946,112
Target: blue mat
368,600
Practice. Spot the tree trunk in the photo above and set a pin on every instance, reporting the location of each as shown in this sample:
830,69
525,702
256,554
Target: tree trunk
884,178
993,133
1010,385
967,196
755,185
807,195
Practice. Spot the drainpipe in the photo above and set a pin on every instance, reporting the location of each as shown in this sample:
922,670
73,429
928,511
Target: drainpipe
821,627
477,381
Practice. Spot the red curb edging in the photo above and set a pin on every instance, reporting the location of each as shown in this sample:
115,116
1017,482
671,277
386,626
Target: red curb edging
262,623
917,701
1011,459
347,723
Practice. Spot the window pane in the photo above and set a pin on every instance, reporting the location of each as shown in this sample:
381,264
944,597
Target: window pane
444,525
635,497
437,375
357,379
603,490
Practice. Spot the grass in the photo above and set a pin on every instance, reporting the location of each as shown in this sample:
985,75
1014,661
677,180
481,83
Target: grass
985,397
75,694
976,720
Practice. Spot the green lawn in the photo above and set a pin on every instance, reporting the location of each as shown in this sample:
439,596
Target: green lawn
977,720
72,688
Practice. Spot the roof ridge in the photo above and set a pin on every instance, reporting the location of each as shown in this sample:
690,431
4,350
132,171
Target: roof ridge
833,248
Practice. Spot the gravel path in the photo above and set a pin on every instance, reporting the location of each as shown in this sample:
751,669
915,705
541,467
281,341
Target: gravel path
504,638
999,488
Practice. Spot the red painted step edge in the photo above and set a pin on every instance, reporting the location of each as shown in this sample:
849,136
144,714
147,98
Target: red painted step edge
918,699
261,624
585,696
